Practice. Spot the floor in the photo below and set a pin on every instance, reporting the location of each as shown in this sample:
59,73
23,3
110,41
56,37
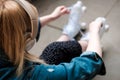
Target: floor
110,9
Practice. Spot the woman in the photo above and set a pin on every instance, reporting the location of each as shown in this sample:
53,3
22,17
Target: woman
17,26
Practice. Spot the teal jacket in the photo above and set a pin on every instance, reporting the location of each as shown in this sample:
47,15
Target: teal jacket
84,67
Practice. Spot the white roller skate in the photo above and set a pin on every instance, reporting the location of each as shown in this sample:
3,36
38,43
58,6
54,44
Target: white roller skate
73,26
104,28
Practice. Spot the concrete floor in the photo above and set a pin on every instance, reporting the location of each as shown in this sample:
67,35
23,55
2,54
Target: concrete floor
95,8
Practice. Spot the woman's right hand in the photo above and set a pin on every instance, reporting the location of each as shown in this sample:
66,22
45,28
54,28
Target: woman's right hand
95,26
94,40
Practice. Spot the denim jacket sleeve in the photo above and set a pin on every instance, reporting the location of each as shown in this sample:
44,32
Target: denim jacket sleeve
84,67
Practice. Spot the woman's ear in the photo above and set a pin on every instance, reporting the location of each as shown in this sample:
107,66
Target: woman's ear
29,42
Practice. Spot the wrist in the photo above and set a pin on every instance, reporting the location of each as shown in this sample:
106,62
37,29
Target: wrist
94,33
52,17
46,19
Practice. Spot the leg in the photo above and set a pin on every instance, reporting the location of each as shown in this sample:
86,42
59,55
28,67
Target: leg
83,44
64,49
58,52
63,38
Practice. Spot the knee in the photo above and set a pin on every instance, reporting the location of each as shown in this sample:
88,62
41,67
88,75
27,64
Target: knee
83,44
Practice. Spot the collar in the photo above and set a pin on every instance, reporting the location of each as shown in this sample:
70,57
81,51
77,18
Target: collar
4,60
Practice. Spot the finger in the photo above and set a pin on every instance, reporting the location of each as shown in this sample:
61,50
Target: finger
64,7
65,10
100,20
61,7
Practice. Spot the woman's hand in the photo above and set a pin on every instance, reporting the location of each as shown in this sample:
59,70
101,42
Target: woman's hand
94,40
59,11
95,26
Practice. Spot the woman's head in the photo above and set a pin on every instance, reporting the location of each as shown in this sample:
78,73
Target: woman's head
13,25
15,28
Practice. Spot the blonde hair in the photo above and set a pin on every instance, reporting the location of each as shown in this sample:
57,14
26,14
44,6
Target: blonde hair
14,22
